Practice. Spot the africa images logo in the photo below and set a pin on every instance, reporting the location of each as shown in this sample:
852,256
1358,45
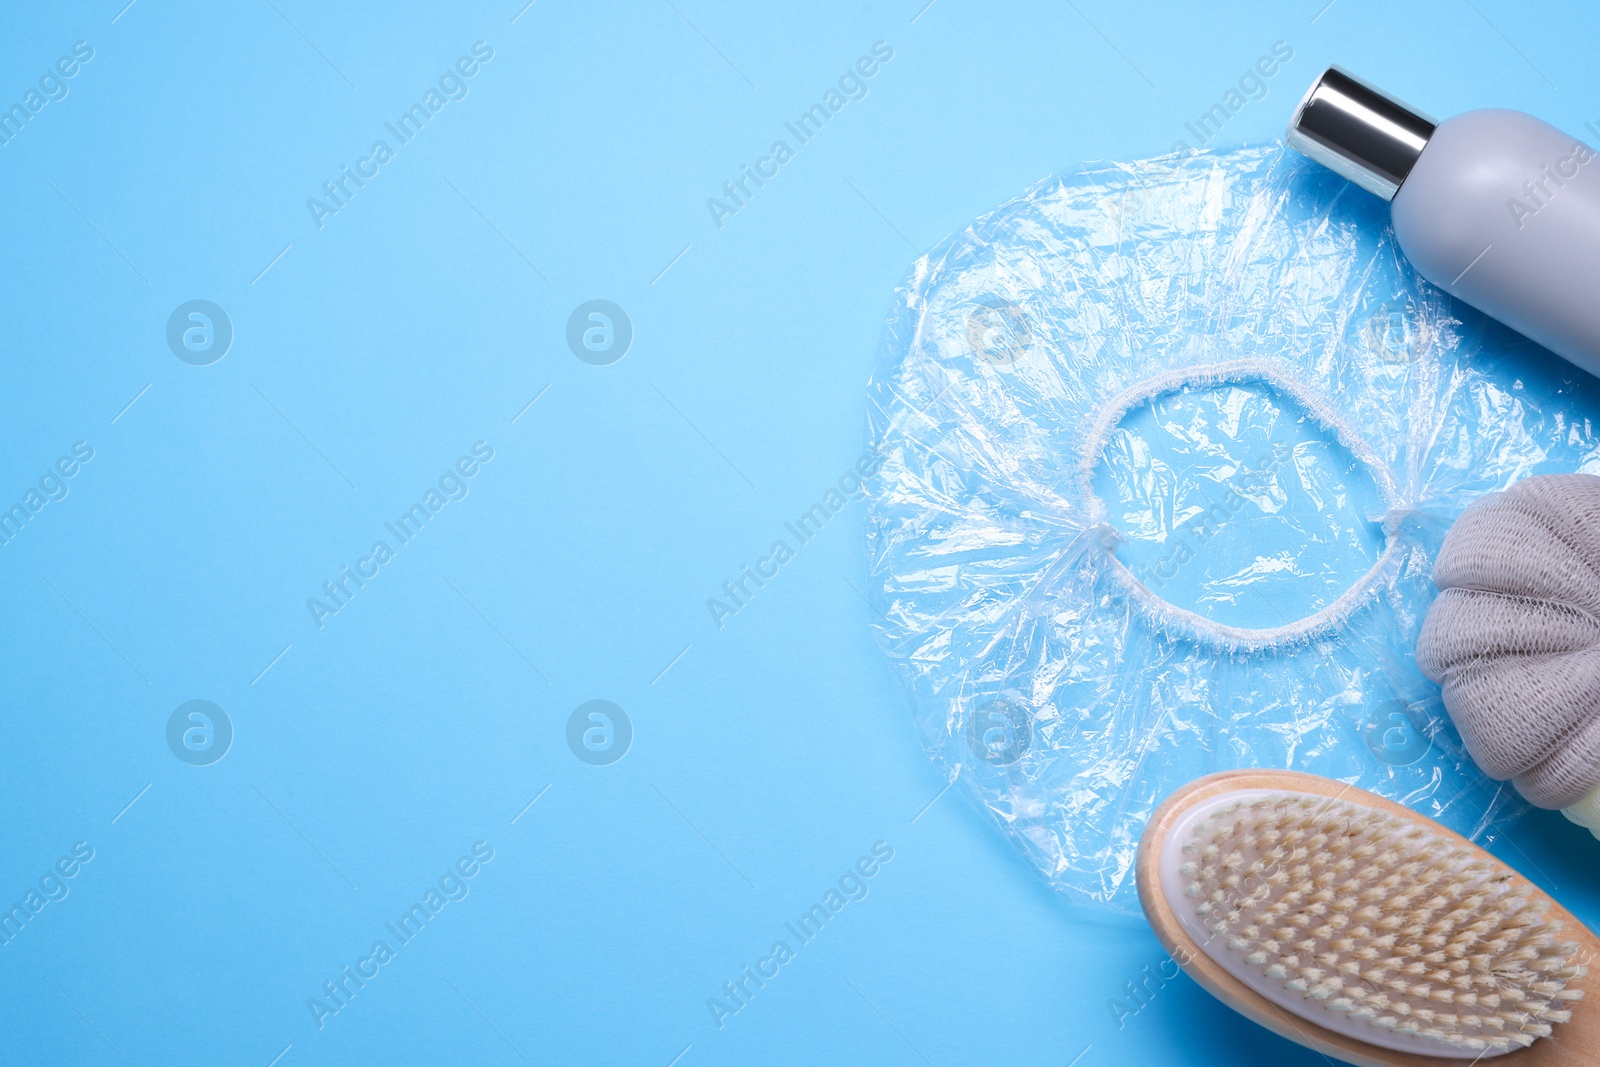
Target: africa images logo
599,332
337,192
851,85
199,332
1399,733
52,86
340,591
1000,732
851,886
199,733
599,733
452,886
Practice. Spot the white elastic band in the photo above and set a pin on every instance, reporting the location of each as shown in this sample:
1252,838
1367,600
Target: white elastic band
1180,621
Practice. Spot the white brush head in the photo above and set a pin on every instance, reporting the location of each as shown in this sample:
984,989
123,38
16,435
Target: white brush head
1377,927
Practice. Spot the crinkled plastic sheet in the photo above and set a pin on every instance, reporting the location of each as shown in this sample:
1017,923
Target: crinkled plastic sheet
1167,451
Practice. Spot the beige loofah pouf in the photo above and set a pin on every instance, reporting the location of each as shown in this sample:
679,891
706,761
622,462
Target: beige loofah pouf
1514,638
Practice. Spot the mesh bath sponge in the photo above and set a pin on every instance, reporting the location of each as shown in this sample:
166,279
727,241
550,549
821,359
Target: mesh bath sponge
1515,636
1167,449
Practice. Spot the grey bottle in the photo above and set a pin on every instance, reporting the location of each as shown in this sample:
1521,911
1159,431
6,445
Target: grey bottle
1494,207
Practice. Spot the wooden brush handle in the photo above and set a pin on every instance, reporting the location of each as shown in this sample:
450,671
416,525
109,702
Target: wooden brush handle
1575,1044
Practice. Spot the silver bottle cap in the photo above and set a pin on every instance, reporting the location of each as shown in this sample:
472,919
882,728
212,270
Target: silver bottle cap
1359,132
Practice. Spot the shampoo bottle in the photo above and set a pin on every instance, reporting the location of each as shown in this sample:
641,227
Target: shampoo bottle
1494,207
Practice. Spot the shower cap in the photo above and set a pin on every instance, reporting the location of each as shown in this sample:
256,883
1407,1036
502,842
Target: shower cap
1166,451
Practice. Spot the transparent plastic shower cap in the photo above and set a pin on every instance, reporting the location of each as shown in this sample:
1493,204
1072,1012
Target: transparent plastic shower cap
1068,388
1181,621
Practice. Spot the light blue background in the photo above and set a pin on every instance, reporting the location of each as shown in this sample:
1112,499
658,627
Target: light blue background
769,754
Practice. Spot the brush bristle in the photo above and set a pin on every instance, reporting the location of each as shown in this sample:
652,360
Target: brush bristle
1381,920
